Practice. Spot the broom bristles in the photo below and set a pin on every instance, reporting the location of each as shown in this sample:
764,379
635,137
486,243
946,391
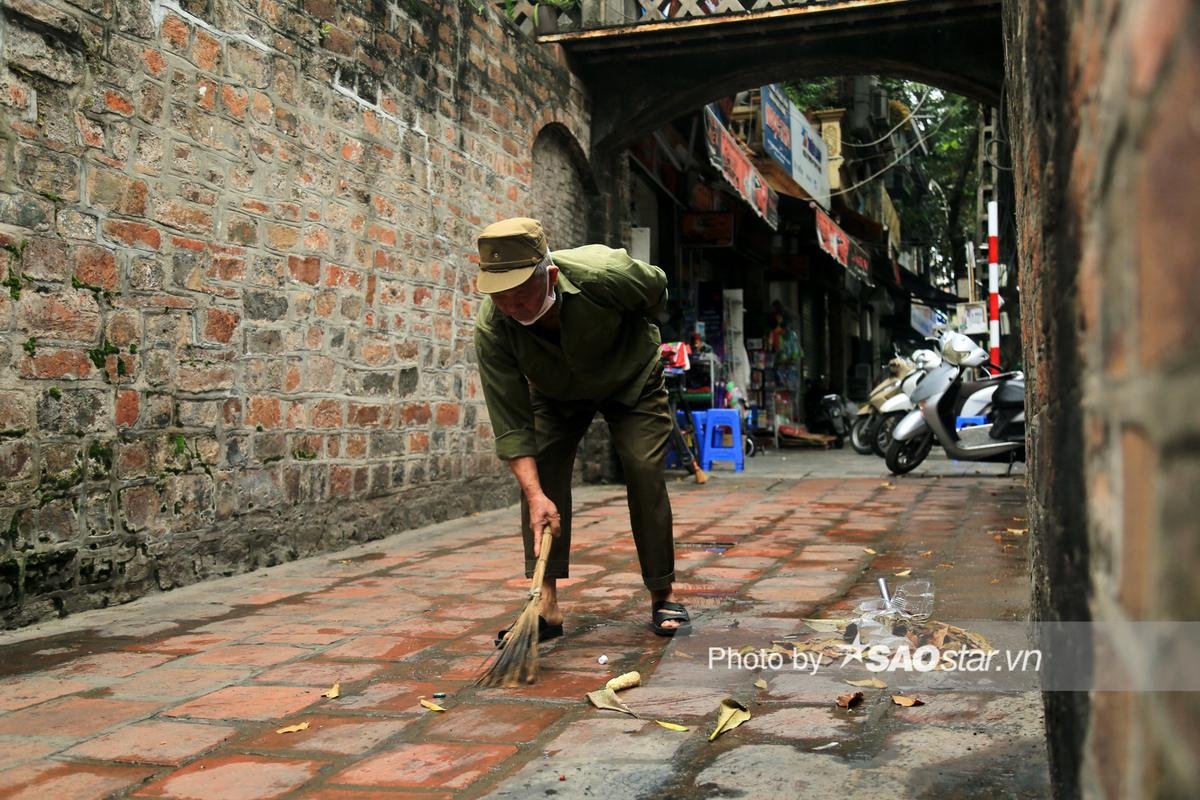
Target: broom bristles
517,662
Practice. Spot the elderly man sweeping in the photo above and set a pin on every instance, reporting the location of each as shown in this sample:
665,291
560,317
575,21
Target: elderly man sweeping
561,337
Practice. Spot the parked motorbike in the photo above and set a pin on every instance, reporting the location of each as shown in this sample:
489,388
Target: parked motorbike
943,396
895,407
869,414
825,412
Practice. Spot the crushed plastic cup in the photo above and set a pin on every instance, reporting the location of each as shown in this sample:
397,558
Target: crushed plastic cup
915,599
872,605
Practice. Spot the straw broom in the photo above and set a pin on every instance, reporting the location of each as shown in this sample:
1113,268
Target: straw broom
517,662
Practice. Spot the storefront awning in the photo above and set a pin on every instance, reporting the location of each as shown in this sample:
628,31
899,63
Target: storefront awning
923,290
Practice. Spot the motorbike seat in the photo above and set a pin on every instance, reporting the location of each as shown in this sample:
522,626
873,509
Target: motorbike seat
969,388
1011,394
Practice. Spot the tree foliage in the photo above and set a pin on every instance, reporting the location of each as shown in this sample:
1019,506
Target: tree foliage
944,219
939,218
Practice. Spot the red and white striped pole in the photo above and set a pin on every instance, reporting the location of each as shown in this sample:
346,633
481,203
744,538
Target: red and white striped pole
994,281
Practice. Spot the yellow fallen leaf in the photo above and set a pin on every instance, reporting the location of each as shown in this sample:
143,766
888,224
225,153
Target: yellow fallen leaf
1018,531
761,684
682,654
869,550
672,726
432,706
907,702
826,625
626,681
849,700
334,692
904,573
729,716
873,683
606,699
747,649
303,726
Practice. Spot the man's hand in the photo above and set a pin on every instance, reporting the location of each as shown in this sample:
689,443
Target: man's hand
542,512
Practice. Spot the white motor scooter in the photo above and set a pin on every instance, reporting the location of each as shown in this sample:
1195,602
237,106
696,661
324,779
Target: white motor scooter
942,397
895,408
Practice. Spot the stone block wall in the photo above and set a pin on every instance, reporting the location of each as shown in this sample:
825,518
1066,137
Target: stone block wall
237,242
1102,101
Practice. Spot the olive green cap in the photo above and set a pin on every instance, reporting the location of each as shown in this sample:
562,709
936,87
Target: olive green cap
509,251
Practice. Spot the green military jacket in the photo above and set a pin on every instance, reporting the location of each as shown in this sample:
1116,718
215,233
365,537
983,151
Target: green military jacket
607,349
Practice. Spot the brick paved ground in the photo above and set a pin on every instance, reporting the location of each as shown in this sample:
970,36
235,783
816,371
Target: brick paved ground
179,695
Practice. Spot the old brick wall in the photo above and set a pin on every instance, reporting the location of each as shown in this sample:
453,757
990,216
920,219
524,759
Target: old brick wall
1106,131
237,305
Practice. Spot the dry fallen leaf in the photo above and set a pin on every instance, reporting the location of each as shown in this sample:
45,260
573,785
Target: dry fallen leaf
904,700
606,699
746,649
1018,531
927,554
947,566
682,654
871,683
760,683
303,726
938,639
825,746
626,681
432,706
729,716
849,700
334,692
826,625
869,550
673,726
904,573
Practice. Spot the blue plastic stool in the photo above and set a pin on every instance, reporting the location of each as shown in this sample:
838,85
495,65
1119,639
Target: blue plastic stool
717,422
698,430
966,422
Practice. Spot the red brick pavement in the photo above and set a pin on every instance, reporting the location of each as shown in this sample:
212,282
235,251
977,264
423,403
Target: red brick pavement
192,710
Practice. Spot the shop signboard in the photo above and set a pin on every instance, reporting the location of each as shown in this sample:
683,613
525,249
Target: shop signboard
792,141
832,239
711,229
777,126
842,248
860,263
727,156
972,318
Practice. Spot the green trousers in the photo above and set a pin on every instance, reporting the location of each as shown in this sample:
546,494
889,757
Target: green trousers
639,435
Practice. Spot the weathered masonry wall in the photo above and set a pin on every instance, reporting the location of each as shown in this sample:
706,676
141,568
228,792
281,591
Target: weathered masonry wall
236,315
1102,101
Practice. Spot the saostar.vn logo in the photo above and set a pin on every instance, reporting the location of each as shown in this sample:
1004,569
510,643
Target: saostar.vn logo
928,658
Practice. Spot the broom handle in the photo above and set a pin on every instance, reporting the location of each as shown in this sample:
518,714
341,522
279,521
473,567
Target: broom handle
539,571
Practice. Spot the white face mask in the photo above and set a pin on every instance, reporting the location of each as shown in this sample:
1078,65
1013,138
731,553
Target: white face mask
547,304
